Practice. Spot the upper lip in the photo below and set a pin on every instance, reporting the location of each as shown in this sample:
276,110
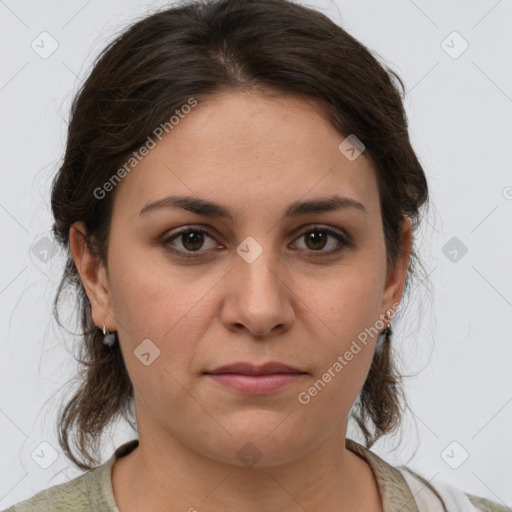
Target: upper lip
251,369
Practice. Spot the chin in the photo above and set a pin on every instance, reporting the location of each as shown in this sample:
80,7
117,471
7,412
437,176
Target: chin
267,445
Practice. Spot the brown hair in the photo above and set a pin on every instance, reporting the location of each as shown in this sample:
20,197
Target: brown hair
195,50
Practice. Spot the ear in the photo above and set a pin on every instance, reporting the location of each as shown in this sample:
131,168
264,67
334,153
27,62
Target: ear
94,278
395,276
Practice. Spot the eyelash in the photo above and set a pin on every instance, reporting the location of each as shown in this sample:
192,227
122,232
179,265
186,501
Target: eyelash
190,254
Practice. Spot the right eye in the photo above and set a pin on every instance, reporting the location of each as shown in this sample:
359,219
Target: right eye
191,239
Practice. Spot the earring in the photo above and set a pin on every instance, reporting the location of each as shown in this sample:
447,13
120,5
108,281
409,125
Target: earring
387,332
110,337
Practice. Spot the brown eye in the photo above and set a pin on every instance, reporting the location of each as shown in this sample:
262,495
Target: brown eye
191,240
317,238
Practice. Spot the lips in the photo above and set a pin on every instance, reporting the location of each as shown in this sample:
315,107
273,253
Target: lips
244,368
257,380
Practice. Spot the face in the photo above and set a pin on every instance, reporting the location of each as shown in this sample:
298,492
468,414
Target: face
256,285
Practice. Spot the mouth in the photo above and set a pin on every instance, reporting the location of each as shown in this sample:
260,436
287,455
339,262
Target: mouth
250,379
243,368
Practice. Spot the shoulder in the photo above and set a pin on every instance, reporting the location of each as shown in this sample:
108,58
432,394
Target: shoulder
404,489
486,505
432,495
82,494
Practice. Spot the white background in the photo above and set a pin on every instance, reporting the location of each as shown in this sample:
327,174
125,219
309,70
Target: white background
455,338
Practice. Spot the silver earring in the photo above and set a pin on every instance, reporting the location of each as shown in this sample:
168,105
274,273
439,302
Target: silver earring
110,337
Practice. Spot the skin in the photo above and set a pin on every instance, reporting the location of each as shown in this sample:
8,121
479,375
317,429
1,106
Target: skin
255,155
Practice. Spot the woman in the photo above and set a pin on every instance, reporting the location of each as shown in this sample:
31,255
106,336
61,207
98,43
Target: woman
238,198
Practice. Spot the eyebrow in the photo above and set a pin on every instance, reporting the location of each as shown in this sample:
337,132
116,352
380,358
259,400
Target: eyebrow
210,209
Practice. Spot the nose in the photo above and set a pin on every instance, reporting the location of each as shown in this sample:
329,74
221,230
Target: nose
258,297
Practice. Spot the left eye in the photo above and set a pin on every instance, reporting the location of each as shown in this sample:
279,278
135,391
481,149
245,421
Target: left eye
192,239
317,237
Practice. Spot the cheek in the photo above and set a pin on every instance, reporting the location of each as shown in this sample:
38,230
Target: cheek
170,311
346,313
151,297
348,302
169,307
343,356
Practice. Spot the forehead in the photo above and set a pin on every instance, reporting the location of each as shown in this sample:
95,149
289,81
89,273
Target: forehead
250,152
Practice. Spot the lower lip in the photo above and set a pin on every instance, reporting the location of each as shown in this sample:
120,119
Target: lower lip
255,384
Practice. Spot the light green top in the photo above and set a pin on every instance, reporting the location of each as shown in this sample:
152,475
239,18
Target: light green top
92,491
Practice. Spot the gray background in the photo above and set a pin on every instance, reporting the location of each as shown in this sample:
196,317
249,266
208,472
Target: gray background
455,338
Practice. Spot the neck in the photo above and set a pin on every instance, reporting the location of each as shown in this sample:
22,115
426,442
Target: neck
329,477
